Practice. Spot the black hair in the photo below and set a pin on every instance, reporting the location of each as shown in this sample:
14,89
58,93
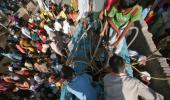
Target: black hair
117,63
70,21
67,7
123,4
166,6
1,49
67,72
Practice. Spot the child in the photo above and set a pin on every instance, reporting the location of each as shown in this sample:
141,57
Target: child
121,17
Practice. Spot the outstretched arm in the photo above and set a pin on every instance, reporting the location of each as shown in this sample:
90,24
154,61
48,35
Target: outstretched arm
113,26
104,29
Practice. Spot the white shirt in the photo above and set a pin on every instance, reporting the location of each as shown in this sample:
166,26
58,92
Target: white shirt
50,32
26,32
83,7
57,26
66,27
45,47
48,29
127,88
55,48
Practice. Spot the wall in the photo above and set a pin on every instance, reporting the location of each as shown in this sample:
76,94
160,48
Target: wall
158,67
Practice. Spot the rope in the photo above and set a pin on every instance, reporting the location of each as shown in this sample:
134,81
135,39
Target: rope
157,58
77,44
154,78
136,34
148,58
75,48
96,49
86,64
82,62
100,39
154,52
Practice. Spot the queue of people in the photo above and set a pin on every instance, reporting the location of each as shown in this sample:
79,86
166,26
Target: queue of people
50,54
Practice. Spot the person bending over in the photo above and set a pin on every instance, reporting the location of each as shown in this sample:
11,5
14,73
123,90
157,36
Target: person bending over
119,86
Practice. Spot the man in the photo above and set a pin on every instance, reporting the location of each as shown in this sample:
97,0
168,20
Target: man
80,86
119,86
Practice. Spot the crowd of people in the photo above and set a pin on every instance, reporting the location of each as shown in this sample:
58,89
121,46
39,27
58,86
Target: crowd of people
55,54
158,20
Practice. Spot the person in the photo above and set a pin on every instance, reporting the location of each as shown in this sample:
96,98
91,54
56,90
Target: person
107,7
57,25
25,31
11,55
55,46
121,17
162,9
42,5
149,19
49,31
66,27
4,86
84,7
146,10
119,86
79,85
74,5
41,66
24,43
63,13
160,21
